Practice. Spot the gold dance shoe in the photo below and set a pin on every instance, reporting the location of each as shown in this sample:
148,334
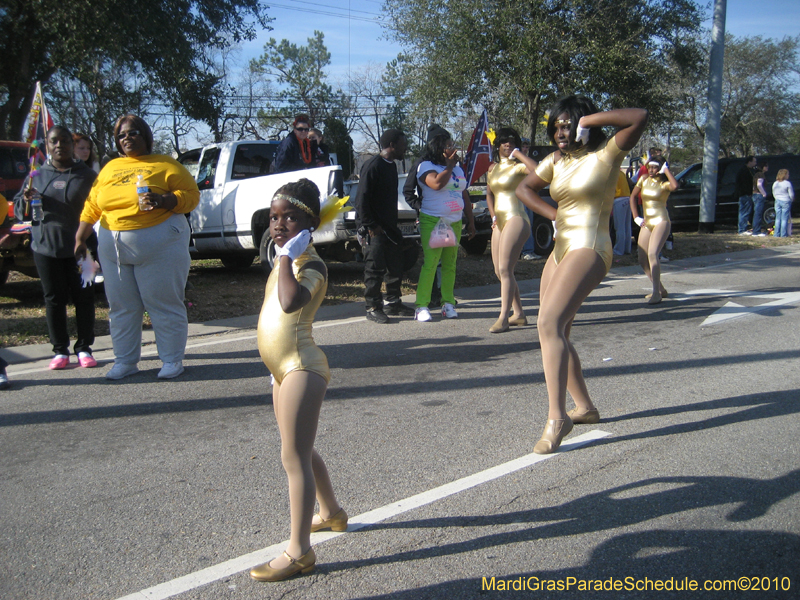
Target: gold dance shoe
337,522
555,431
304,564
518,321
664,294
584,417
498,327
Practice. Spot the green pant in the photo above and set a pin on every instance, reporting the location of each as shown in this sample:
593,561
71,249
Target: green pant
432,256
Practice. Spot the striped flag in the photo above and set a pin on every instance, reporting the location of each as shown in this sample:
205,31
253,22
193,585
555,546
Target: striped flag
479,153
35,128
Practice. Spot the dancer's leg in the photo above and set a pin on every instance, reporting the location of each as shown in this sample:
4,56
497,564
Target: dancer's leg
643,243
515,232
564,288
297,402
657,238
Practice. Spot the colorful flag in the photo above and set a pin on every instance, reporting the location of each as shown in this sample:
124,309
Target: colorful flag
35,129
479,153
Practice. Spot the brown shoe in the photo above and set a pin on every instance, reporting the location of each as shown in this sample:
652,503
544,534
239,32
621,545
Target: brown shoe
304,564
555,431
585,417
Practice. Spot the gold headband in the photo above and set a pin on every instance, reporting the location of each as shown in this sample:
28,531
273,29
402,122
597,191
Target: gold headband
563,122
294,201
655,163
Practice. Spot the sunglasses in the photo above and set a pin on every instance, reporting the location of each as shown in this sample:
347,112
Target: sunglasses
301,128
129,133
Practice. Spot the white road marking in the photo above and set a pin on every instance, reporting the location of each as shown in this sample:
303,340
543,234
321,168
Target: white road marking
732,310
248,561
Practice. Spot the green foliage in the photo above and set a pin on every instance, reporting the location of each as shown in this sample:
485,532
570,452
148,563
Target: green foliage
516,58
339,141
163,39
300,70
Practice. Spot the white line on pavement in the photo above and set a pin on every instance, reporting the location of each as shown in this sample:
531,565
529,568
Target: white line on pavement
248,561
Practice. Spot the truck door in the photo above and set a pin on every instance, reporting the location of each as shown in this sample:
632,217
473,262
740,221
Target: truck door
206,219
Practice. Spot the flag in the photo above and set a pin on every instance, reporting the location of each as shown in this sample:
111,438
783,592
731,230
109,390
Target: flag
35,129
479,153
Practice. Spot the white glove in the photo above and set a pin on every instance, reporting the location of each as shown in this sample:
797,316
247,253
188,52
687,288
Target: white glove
581,134
296,246
512,152
663,168
554,229
639,221
88,267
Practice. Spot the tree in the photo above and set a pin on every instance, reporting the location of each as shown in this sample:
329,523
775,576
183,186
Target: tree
162,39
760,99
300,70
516,58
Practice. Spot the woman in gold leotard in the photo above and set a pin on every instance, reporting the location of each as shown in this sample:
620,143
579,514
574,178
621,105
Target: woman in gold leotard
582,175
294,292
654,228
510,224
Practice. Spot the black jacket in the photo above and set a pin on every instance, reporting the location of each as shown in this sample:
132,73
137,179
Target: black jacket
289,158
63,195
744,181
376,198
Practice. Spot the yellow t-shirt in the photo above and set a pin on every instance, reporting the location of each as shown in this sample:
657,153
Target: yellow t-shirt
114,201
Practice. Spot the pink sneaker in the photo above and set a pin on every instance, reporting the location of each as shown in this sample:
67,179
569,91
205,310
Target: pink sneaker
86,360
59,362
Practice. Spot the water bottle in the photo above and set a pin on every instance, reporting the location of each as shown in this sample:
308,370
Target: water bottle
141,189
37,212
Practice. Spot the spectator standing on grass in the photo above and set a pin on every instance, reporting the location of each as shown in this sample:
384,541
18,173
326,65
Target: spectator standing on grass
783,192
621,215
445,198
529,248
4,384
295,152
744,190
376,210
144,246
759,197
63,184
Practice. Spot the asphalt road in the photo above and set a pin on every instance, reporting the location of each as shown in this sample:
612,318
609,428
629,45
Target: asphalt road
150,489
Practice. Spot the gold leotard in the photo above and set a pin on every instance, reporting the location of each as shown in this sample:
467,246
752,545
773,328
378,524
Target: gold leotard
583,185
284,339
503,180
654,201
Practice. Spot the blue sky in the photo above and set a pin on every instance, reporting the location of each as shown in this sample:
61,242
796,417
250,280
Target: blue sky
354,37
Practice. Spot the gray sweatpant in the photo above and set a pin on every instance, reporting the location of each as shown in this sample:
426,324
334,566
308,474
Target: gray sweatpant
146,270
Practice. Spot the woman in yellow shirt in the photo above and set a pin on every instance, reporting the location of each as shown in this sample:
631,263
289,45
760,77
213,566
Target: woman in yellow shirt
654,228
141,200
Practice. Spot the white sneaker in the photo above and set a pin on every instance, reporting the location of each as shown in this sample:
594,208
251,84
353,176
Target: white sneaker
121,370
170,370
449,311
422,314
745,233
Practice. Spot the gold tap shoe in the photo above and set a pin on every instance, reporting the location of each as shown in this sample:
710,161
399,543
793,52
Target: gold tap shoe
337,522
498,327
555,431
584,417
518,321
304,564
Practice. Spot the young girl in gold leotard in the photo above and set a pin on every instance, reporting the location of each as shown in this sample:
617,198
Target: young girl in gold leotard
294,292
654,228
510,224
582,175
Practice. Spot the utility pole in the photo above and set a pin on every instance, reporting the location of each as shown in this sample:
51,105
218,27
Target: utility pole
708,198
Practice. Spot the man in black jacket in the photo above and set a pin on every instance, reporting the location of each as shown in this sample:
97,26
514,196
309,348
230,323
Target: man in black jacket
744,189
376,208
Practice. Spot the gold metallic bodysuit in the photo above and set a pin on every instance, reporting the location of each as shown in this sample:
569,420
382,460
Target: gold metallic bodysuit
284,339
583,185
503,180
654,201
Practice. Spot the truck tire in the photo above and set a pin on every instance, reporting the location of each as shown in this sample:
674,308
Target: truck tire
266,253
542,231
476,246
238,262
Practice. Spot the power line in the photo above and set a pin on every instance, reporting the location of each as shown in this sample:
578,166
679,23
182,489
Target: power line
376,21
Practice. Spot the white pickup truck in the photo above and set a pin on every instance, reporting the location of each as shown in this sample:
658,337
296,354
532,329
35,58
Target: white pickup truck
236,181
231,221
